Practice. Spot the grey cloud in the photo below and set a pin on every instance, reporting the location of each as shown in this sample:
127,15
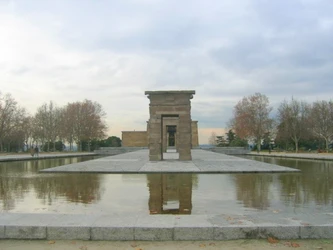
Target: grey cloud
250,53
244,55
212,114
223,49
20,70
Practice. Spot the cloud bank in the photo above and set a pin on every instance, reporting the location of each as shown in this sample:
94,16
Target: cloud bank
112,51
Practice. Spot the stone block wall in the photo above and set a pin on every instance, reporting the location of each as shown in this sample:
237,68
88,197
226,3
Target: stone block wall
134,139
195,136
140,138
116,150
229,150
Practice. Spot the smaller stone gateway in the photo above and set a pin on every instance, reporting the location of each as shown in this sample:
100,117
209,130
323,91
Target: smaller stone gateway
170,116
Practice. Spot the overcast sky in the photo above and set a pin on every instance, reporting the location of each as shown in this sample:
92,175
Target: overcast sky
112,51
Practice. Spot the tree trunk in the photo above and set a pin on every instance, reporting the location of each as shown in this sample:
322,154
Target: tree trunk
258,145
326,143
88,145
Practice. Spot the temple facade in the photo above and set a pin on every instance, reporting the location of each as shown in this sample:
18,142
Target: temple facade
140,138
169,125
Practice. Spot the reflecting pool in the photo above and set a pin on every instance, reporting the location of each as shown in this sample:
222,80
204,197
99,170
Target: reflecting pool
24,190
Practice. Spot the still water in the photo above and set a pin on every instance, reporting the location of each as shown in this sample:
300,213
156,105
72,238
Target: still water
24,190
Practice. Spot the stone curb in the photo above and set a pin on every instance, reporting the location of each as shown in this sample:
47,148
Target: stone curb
296,156
150,228
41,157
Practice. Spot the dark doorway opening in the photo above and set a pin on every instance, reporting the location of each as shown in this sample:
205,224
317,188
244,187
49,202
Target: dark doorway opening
171,130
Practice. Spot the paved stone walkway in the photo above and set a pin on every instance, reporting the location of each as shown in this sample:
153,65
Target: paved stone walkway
202,162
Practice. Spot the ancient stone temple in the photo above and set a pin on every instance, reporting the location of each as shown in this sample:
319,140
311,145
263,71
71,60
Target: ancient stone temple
170,123
140,138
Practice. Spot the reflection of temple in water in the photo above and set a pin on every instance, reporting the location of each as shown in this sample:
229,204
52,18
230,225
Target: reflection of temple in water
170,193
253,190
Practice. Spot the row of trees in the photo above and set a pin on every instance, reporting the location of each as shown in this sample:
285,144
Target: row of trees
229,140
296,122
77,122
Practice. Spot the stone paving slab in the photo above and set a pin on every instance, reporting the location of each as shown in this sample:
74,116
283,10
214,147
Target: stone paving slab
202,162
157,227
108,227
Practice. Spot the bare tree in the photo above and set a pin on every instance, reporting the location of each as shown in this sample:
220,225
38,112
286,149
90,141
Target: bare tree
293,118
47,123
54,115
11,117
251,118
212,139
78,123
68,121
15,139
27,129
321,121
39,125
85,122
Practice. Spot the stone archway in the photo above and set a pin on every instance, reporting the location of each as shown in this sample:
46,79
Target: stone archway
170,104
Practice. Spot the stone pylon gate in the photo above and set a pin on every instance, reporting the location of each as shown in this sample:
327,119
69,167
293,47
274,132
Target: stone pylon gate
164,105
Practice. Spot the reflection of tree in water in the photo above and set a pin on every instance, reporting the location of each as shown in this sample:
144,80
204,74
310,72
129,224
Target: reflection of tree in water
49,163
314,183
78,188
19,178
12,189
14,182
252,189
174,189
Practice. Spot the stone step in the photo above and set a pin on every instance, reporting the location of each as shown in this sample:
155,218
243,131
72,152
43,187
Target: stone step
154,227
